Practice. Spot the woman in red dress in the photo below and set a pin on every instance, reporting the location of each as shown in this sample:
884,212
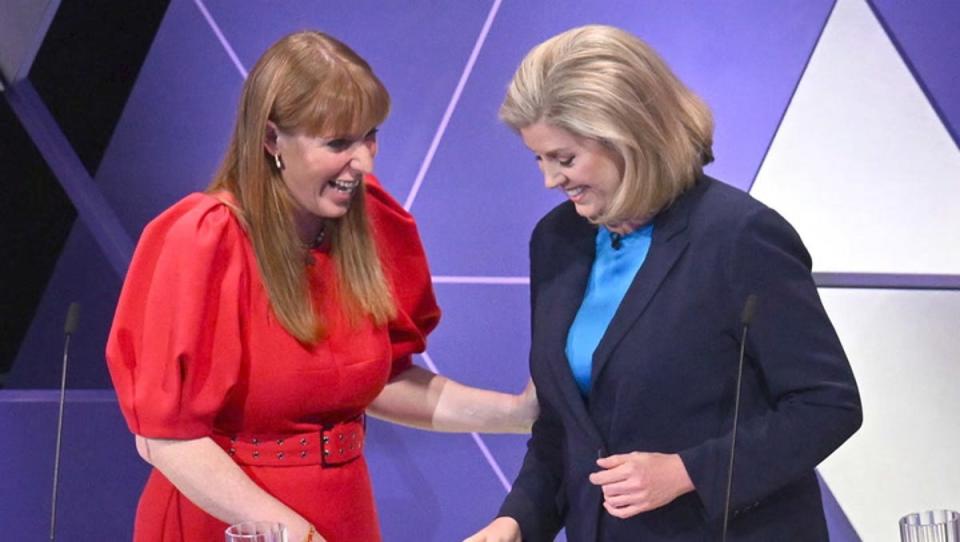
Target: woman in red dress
261,319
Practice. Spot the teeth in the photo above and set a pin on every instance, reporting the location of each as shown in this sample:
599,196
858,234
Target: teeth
345,186
573,192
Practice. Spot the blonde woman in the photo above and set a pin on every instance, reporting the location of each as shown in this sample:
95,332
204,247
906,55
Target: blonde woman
638,283
261,319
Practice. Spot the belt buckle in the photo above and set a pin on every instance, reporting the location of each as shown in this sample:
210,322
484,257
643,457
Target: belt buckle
341,443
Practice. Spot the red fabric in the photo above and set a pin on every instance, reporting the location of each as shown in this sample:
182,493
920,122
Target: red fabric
195,349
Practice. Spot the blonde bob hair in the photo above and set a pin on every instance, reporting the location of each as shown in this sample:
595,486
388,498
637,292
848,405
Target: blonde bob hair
605,84
309,82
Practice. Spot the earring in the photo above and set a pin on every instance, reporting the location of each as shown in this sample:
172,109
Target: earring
278,161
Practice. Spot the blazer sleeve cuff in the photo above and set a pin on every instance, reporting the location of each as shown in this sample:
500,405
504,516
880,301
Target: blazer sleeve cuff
536,524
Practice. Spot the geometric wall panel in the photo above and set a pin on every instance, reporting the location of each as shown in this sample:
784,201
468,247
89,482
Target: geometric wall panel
483,193
94,285
100,475
862,165
904,348
926,35
845,141
414,48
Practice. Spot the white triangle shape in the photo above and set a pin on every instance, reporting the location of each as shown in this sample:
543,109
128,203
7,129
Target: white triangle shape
904,350
861,164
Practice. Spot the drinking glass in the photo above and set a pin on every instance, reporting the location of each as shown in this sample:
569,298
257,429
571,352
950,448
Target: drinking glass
930,526
256,531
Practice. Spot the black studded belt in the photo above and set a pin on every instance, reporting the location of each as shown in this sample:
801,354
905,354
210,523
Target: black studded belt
332,445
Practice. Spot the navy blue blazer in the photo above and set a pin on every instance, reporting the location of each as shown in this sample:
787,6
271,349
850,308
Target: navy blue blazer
664,375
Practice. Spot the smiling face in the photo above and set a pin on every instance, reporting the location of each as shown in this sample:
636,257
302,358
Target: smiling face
587,171
322,173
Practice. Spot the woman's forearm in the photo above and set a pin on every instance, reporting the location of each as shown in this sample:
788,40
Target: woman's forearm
422,399
203,473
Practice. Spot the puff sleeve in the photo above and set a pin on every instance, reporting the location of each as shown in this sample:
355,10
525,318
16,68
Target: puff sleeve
405,264
174,349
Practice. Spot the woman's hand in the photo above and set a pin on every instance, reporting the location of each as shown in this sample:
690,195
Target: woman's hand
419,398
503,529
303,532
206,475
527,408
640,481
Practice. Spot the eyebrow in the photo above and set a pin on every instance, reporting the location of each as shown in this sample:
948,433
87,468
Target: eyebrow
553,153
351,137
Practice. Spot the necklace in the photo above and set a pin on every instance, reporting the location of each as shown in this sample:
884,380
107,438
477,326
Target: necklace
318,240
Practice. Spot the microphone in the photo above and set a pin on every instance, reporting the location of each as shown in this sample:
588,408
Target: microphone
746,317
69,327
616,240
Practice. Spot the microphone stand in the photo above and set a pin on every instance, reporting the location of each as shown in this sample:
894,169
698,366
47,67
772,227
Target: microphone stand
745,317
73,315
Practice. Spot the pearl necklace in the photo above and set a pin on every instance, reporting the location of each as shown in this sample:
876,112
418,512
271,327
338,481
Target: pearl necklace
318,240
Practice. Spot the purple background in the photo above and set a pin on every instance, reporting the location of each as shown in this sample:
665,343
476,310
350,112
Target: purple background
478,201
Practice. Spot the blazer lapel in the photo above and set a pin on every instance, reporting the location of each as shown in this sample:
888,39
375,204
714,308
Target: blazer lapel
669,242
561,300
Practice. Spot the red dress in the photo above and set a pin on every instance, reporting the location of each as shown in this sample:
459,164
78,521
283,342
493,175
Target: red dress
195,351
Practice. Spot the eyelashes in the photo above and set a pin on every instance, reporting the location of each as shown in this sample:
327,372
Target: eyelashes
341,144
566,162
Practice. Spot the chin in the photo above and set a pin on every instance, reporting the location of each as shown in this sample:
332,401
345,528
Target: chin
586,211
332,211
332,215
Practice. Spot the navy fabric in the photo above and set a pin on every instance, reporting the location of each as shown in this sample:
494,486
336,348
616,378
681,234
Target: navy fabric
663,377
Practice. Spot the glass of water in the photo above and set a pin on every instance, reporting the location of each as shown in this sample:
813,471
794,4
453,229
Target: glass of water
930,526
256,531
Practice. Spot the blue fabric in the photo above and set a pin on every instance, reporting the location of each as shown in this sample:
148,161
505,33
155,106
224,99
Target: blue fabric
610,277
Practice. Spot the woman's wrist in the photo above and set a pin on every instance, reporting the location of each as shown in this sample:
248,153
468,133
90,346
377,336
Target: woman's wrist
301,530
525,409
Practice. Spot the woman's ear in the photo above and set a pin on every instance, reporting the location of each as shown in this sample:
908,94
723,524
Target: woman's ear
270,136
372,145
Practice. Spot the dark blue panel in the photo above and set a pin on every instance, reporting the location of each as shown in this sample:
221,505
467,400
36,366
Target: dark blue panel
925,34
839,527
484,194
101,474
82,275
178,118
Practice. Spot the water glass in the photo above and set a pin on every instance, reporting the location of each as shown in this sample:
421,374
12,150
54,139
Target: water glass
930,526
256,531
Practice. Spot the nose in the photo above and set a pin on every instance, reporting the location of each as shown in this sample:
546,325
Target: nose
552,178
361,157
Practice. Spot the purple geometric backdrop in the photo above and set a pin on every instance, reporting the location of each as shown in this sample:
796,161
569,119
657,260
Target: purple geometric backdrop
469,181
922,37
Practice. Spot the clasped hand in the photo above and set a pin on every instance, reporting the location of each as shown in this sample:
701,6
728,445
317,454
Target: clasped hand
632,483
640,481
